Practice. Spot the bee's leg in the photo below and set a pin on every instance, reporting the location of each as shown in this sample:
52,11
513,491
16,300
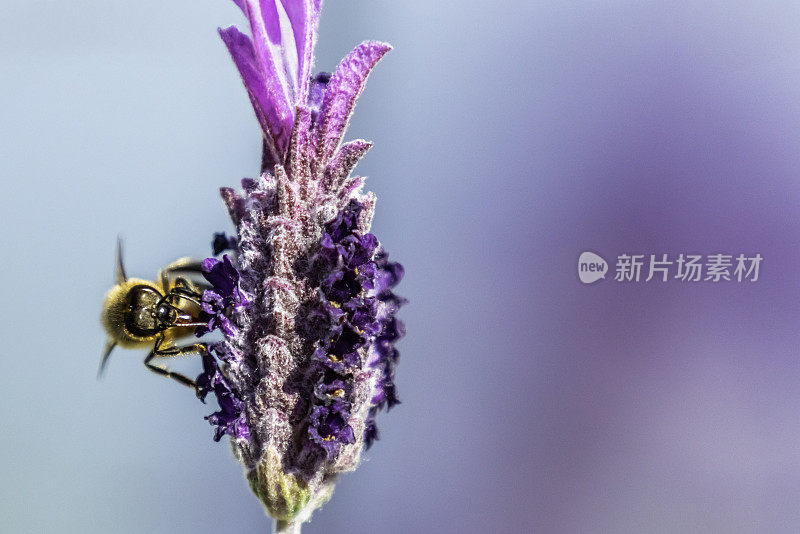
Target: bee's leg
187,292
158,352
184,293
191,290
185,380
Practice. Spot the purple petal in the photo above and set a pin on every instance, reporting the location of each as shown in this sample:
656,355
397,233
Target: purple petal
241,49
227,327
371,433
347,435
343,90
331,361
304,17
345,222
220,274
230,271
230,418
275,61
347,342
341,286
335,390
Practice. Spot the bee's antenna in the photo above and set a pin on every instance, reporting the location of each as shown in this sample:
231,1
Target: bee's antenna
106,353
119,274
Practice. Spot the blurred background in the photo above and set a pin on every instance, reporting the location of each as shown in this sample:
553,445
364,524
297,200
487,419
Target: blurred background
509,138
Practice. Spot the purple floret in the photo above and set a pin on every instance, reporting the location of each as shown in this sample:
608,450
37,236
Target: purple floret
222,243
230,418
392,329
213,312
356,280
345,222
340,363
222,275
371,433
329,428
316,93
332,389
341,286
225,294
357,250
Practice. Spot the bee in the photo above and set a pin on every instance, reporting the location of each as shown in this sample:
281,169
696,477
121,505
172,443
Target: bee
140,314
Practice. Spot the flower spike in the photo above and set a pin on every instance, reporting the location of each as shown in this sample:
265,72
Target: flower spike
305,301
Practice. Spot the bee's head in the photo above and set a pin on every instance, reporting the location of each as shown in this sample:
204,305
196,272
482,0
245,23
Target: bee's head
129,312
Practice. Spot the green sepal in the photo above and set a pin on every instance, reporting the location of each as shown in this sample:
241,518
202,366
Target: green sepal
284,495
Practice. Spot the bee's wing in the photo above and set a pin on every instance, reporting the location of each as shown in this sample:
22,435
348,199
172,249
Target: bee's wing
187,268
119,273
106,353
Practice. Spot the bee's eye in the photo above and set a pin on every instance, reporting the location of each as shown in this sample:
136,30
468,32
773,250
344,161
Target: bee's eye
164,313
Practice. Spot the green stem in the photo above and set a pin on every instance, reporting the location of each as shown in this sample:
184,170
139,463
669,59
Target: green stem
286,527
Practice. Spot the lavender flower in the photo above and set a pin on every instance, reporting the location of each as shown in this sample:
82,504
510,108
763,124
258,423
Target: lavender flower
224,279
230,418
307,312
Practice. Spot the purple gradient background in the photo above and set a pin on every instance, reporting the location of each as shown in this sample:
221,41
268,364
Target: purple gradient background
508,139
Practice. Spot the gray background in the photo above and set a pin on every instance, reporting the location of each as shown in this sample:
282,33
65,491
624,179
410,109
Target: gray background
509,137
